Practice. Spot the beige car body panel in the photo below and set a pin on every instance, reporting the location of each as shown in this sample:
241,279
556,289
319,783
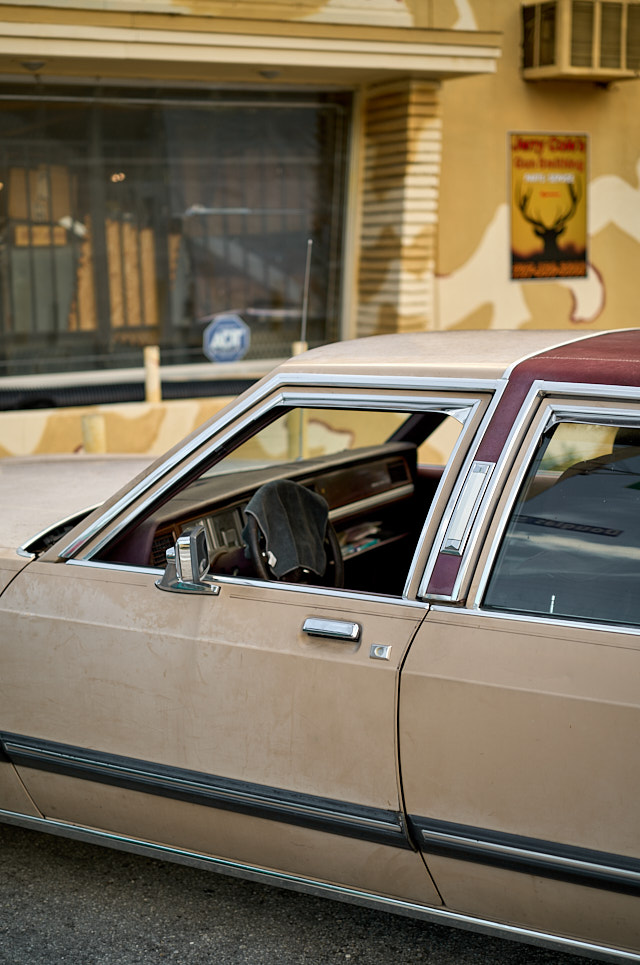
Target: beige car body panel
197,683
434,764
517,708
180,681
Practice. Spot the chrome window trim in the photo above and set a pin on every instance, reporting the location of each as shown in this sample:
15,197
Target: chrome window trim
544,619
550,415
595,416
457,408
456,535
432,914
453,499
311,399
538,390
275,585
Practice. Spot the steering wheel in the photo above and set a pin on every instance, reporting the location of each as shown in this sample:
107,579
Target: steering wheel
334,571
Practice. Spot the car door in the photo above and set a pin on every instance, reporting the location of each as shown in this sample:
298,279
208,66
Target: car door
520,711
255,722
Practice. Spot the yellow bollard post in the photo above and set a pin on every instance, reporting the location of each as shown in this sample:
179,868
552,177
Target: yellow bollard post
94,433
152,386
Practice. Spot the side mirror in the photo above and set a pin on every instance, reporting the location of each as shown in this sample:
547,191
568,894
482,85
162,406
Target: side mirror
188,565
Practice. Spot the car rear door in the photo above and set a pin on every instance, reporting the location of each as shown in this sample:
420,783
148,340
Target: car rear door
519,699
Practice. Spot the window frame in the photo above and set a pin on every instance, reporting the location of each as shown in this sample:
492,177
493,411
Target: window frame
466,400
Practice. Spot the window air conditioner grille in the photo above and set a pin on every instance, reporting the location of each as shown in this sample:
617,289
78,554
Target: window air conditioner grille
597,40
582,33
611,35
547,34
633,37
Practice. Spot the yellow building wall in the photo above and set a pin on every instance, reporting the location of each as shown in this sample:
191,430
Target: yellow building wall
474,289
134,427
400,13
431,193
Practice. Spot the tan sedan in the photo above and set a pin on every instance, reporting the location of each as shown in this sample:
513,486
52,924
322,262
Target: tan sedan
372,633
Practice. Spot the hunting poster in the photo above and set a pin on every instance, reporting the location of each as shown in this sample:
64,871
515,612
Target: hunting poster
548,205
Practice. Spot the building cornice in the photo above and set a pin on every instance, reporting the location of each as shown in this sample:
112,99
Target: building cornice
73,42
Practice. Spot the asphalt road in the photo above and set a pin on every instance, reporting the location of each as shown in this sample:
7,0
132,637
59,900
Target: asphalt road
68,903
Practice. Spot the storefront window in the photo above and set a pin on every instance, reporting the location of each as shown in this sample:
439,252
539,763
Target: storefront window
131,221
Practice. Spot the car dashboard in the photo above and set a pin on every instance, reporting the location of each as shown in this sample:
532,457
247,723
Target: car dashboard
370,494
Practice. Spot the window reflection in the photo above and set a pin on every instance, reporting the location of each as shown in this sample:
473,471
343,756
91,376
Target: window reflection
572,548
125,224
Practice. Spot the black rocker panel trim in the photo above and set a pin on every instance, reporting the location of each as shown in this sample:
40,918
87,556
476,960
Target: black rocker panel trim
534,856
275,804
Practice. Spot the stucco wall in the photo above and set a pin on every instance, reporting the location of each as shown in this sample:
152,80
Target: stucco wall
134,427
432,198
474,289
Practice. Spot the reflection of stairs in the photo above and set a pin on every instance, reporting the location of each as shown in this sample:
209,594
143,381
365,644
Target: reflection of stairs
257,268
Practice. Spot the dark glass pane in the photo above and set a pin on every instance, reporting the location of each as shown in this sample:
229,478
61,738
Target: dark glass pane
129,221
572,548
528,36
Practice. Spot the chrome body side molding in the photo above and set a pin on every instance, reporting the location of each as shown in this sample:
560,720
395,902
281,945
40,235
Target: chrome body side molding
514,852
270,803
428,913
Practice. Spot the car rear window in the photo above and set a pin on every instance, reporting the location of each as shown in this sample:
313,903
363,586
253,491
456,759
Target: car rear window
572,545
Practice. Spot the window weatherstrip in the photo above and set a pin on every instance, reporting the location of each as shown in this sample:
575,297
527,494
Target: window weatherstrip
543,619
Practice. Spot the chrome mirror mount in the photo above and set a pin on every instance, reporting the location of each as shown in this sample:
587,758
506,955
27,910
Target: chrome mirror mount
188,565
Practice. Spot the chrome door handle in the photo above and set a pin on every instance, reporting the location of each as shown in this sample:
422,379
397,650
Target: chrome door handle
335,629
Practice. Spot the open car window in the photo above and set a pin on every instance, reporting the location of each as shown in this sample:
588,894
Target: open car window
376,471
312,433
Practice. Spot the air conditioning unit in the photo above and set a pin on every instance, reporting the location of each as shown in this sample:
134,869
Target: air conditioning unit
596,40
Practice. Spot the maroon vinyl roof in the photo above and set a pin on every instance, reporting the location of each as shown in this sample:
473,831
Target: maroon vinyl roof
609,358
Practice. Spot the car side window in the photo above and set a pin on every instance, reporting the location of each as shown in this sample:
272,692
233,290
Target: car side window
369,477
572,546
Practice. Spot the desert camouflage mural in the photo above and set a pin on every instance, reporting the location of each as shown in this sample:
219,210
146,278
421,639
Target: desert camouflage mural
473,284
435,94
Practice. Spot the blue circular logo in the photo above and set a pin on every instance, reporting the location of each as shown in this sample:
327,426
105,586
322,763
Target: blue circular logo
226,338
